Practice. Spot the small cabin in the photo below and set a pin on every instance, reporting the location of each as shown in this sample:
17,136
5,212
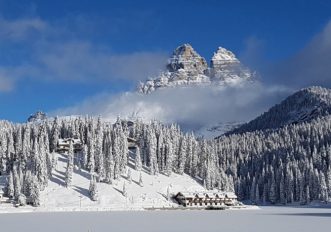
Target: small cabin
206,198
63,145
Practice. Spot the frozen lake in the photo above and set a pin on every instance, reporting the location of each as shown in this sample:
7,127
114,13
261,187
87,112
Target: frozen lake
266,219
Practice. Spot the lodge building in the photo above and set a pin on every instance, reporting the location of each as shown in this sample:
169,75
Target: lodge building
63,145
206,198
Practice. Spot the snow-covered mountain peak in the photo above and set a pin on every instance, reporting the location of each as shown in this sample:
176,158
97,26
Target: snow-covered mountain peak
37,117
223,55
187,67
185,57
226,68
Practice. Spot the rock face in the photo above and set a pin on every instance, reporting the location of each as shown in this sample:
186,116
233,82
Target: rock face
227,68
38,116
187,67
223,58
185,58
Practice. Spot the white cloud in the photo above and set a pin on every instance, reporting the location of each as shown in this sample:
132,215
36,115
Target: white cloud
51,51
138,66
20,28
252,55
81,61
310,66
191,107
6,84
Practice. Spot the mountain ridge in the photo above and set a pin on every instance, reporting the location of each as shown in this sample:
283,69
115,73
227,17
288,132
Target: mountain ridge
302,106
187,67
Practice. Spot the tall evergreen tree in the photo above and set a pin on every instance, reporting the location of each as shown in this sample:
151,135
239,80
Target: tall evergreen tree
138,164
93,190
70,165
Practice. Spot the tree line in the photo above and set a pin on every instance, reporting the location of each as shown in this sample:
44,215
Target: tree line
290,164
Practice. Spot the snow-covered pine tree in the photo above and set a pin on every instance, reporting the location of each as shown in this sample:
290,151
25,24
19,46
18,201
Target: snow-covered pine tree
323,189
50,158
21,200
151,143
138,164
85,156
93,190
91,152
10,186
99,154
273,193
169,154
26,146
123,133
116,154
109,159
182,156
17,183
55,135
70,165
35,192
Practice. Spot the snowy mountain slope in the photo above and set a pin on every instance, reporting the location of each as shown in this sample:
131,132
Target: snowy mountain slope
187,67
302,106
212,131
153,193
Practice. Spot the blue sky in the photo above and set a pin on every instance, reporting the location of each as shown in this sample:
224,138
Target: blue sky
55,54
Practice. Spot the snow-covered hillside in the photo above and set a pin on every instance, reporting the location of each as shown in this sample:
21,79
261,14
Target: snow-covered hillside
153,193
187,67
303,106
215,130
260,166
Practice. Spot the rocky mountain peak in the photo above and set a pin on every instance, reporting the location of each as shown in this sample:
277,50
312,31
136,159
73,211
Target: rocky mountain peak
225,67
187,67
185,57
223,56
38,116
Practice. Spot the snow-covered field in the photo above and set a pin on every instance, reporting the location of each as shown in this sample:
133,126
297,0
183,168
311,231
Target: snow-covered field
116,214
270,219
153,194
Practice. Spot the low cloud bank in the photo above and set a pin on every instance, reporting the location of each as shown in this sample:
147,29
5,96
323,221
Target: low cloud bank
310,66
191,107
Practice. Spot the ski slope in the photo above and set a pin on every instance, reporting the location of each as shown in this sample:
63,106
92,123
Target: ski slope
153,194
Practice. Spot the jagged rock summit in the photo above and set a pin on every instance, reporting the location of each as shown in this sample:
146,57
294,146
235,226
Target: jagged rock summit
223,57
186,58
187,67
225,67
37,117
